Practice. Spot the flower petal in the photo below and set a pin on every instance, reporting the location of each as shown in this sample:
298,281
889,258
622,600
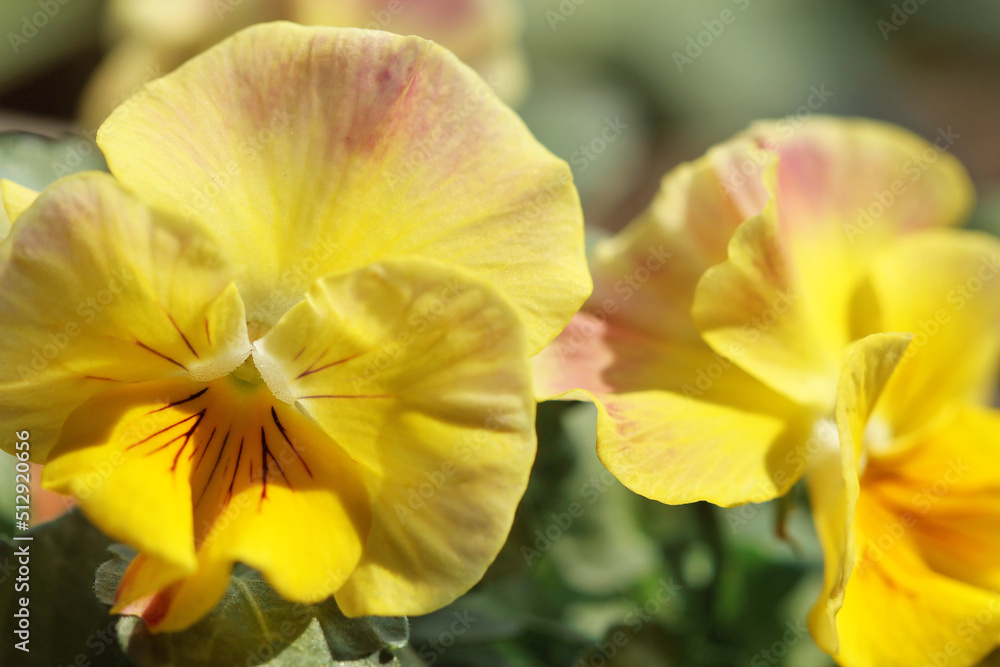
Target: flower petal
833,474
867,180
898,611
420,372
97,290
16,198
949,483
840,190
753,302
952,306
607,356
318,151
680,450
637,333
227,474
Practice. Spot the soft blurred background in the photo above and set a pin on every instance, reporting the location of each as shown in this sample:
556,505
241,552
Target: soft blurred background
623,90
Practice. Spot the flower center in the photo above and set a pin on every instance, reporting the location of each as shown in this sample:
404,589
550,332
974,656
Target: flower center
877,441
247,377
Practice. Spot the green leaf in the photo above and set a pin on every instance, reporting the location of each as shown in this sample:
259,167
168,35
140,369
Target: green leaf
68,625
253,625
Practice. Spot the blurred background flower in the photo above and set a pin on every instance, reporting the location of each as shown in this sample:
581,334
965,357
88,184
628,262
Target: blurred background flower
623,90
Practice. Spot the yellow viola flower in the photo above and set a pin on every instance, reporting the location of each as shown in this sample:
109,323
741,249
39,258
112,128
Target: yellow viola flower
793,305
292,328
154,37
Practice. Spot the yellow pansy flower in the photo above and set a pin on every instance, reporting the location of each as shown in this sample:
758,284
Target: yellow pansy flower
153,37
293,328
793,305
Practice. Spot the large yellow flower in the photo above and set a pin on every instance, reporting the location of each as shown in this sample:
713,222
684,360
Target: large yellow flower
293,329
791,305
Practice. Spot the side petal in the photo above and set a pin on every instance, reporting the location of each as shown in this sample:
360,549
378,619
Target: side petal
418,157
943,286
420,372
833,475
97,290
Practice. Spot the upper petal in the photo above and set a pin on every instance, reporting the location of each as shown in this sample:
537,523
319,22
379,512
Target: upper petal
867,180
314,150
419,371
97,290
942,286
840,190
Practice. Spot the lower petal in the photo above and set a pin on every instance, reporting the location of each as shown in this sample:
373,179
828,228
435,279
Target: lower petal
200,476
680,450
420,371
899,612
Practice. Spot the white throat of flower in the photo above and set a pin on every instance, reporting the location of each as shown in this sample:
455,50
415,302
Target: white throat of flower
824,440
